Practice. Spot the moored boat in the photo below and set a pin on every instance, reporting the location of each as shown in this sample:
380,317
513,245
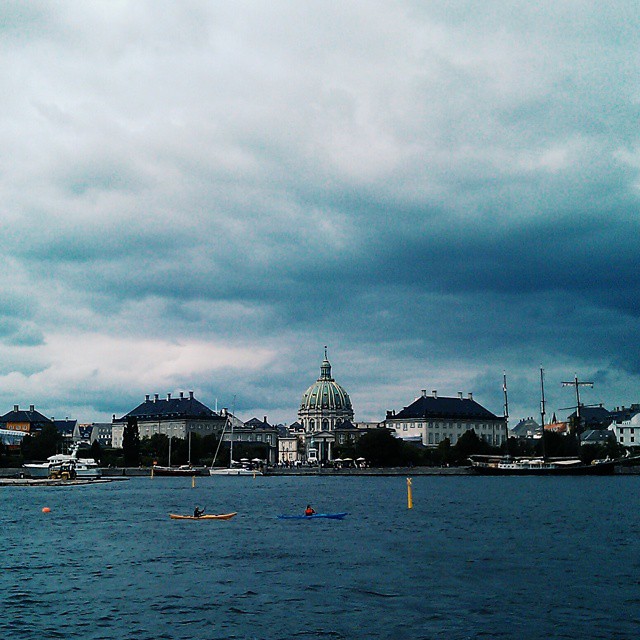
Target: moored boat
495,465
84,467
242,468
183,470
505,466
234,471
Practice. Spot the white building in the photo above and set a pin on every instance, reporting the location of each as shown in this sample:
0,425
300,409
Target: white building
173,417
627,432
431,419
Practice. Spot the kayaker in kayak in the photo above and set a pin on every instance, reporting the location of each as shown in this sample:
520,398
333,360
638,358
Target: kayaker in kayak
197,512
309,511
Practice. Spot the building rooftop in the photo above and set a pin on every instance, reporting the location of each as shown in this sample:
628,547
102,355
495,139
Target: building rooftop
432,406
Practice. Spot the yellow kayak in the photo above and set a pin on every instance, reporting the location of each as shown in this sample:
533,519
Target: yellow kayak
222,516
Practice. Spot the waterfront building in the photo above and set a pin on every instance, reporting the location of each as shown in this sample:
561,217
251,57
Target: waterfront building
526,428
288,447
347,434
591,418
324,406
117,435
258,433
66,428
102,433
627,432
430,419
23,421
596,436
173,417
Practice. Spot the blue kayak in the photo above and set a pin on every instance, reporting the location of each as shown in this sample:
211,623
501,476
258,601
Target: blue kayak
333,516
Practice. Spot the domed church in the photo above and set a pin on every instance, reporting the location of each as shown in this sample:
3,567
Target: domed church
324,406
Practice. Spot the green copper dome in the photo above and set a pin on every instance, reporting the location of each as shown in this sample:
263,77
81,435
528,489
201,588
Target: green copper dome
326,394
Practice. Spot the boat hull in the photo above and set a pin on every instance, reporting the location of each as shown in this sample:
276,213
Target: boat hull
234,472
42,471
167,471
332,516
497,469
222,516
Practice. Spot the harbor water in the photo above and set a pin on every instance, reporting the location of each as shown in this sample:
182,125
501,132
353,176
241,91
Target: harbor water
475,557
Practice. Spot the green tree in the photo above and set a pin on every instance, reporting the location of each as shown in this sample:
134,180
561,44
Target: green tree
96,451
557,446
42,444
345,450
470,444
380,448
131,443
446,454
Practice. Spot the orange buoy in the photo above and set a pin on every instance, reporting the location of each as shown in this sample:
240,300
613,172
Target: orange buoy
45,510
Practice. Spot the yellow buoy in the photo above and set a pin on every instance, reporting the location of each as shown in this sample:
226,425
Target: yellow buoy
409,494
193,482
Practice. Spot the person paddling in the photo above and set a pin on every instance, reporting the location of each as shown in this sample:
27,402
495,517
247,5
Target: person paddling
309,511
197,512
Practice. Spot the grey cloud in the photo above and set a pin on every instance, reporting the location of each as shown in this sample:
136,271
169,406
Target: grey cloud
416,184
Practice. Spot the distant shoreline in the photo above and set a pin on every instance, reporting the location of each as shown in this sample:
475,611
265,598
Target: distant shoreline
11,477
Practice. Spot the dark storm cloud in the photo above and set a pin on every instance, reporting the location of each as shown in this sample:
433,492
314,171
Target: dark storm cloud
202,196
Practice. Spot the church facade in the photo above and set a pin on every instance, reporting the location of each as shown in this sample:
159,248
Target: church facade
325,406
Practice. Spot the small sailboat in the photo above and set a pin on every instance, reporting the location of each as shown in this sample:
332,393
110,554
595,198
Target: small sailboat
182,470
234,468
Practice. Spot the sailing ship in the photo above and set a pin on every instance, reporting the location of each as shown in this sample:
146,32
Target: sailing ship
182,470
539,466
242,468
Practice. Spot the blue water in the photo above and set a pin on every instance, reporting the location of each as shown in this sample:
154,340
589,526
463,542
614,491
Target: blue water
475,558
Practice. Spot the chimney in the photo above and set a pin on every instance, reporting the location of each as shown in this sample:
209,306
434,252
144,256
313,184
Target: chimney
155,397
265,420
168,396
434,394
16,407
470,396
32,407
181,395
190,395
460,395
146,398
424,393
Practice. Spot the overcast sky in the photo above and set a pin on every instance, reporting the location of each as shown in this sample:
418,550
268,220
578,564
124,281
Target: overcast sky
201,195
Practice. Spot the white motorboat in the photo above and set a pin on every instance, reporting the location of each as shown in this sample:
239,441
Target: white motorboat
85,467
